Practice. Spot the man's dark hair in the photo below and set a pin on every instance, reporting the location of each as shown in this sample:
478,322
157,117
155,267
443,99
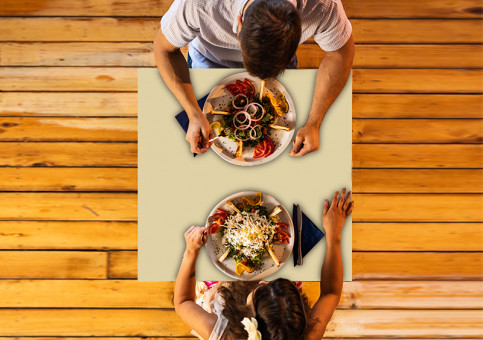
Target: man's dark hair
269,37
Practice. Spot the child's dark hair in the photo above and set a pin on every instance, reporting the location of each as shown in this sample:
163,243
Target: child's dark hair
280,309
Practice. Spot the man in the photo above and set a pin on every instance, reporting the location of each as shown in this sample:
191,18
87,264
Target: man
262,36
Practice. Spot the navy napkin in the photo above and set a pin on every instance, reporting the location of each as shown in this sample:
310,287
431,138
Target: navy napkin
183,119
311,235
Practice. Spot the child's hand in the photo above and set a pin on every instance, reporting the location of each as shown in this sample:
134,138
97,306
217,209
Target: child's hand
334,216
195,238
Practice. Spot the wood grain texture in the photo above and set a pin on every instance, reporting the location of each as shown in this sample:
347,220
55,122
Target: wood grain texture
69,206
62,235
148,322
52,265
68,179
417,156
310,55
68,79
68,154
122,265
416,81
133,294
424,131
379,31
353,8
417,237
417,181
399,56
418,208
125,79
68,104
68,129
417,106
416,266
365,266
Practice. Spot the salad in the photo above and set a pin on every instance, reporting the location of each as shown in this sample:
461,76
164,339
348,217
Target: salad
248,231
249,117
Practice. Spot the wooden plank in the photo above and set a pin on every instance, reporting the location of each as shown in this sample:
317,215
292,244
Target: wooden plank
67,235
122,265
68,179
414,31
310,55
416,266
397,56
68,104
417,181
142,322
417,156
353,8
68,129
77,54
79,29
52,265
365,266
125,79
39,154
133,294
416,81
69,206
417,106
430,237
381,31
418,208
423,131
68,79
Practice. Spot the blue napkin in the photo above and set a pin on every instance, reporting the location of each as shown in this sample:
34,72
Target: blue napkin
311,235
183,119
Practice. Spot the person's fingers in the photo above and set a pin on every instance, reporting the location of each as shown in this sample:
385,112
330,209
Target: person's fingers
305,150
326,207
349,210
342,198
189,231
335,200
297,145
347,200
194,143
211,136
206,133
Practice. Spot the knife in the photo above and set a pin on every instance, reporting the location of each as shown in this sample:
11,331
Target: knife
299,230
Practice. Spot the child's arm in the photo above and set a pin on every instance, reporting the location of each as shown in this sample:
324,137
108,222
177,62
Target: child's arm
184,292
332,274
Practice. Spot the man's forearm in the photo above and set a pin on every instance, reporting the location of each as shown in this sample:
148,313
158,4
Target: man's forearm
332,269
173,68
186,279
331,78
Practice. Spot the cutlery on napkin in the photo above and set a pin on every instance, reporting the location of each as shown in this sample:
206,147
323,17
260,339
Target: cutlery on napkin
307,235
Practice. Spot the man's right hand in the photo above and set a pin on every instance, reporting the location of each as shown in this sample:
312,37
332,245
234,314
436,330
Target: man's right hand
199,133
335,214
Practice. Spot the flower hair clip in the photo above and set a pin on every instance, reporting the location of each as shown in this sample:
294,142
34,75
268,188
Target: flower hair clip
251,326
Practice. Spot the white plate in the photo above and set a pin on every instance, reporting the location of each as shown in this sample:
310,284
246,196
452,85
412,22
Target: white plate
219,98
267,267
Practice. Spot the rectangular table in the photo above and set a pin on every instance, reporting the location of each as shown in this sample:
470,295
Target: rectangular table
177,190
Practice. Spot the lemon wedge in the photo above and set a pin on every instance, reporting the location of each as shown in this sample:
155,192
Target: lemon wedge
216,126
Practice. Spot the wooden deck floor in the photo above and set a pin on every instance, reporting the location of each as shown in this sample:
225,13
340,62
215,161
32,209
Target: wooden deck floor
68,179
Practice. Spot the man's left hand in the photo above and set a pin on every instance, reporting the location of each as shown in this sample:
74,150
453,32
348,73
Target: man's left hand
306,141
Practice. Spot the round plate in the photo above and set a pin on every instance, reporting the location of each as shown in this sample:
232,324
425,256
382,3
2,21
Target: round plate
266,267
219,98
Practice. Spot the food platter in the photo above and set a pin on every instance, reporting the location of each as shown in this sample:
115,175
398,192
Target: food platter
220,98
215,247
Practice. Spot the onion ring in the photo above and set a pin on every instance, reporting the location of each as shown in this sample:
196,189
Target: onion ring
238,96
252,114
242,124
254,128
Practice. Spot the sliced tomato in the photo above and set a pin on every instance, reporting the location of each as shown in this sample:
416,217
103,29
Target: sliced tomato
222,212
251,88
242,86
233,89
283,234
260,149
282,224
213,228
284,240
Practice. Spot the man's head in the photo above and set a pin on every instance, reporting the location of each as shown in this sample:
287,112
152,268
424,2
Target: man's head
269,36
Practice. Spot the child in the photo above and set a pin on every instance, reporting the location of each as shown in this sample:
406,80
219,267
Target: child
263,310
